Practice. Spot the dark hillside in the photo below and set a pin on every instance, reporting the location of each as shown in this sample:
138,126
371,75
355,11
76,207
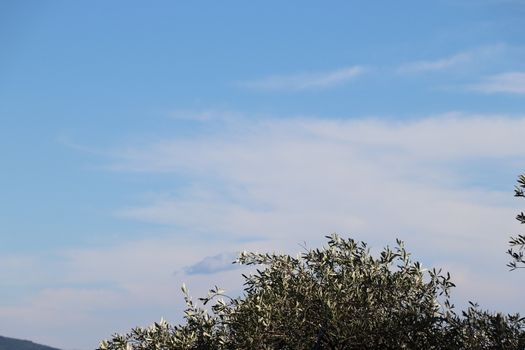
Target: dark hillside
17,344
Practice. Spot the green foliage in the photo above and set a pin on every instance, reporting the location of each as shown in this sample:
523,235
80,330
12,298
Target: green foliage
518,243
479,329
337,297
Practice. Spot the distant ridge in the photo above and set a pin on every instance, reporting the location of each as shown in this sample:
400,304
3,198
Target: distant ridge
18,344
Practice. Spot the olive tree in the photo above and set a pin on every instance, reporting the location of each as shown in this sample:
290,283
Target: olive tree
478,329
336,297
517,243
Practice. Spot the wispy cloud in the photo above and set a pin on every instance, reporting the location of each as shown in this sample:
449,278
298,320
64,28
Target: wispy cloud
435,65
293,180
509,82
305,81
225,151
460,59
205,115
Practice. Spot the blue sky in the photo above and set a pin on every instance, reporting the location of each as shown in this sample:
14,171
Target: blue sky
143,145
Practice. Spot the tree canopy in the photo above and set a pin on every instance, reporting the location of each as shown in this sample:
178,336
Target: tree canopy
517,243
336,297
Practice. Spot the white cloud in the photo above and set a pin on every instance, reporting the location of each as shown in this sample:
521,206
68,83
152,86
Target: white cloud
305,81
294,180
206,115
461,59
510,82
435,65
279,170
266,142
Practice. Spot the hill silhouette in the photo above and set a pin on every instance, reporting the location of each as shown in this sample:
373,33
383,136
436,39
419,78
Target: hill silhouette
18,344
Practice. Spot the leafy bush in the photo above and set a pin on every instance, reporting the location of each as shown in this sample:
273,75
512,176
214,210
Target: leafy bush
338,297
479,329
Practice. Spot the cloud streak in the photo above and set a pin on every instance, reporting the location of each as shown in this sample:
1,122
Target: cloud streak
206,115
435,65
305,81
294,180
506,83
461,59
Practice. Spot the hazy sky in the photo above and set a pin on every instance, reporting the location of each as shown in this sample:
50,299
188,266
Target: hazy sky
144,143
